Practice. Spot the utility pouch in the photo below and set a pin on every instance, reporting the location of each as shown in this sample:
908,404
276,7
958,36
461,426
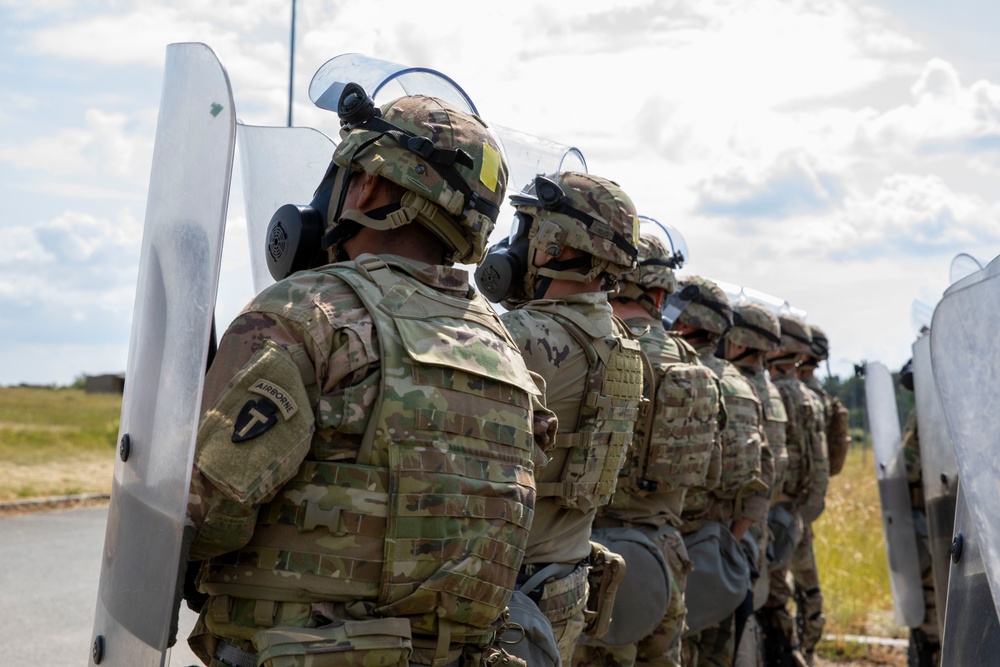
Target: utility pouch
607,569
642,595
720,580
385,642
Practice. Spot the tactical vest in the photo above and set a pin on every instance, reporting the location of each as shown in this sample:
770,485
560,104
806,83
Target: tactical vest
675,437
741,439
775,423
805,429
431,520
602,436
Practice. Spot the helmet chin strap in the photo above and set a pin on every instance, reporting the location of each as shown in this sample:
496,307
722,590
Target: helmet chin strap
561,269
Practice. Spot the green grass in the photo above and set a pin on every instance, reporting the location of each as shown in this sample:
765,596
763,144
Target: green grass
56,441
850,553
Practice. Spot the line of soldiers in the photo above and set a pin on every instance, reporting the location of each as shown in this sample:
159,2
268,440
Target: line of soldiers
388,472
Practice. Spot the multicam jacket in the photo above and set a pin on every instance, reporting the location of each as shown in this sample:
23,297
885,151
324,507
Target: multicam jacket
683,437
775,423
743,491
593,374
367,438
808,472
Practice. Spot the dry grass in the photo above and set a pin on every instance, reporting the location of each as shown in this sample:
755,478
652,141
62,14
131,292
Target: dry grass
850,554
56,442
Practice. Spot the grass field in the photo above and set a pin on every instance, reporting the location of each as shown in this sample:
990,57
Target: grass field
56,442
63,441
850,553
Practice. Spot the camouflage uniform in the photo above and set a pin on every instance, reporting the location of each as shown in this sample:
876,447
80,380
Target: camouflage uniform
930,642
548,333
660,505
363,477
805,484
755,332
592,368
742,493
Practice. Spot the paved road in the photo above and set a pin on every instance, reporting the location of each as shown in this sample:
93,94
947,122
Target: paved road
50,564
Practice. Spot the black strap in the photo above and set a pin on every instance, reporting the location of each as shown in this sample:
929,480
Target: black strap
739,321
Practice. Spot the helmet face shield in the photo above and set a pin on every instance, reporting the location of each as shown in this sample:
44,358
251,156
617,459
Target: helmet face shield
671,240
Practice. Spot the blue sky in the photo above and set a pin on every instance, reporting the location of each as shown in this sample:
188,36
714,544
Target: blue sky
836,154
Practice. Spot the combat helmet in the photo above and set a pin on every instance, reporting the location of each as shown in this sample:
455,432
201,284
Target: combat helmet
581,211
709,310
755,326
447,160
819,348
660,254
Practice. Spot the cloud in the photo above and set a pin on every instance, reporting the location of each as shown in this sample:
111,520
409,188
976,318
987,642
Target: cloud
792,185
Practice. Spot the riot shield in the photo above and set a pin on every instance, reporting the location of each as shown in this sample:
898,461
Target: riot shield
894,494
940,469
376,76
137,601
966,364
278,165
971,630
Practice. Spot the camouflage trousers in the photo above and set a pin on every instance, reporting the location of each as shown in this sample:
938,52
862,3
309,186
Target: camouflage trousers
930,629
564,601
798,581
663,647
715,646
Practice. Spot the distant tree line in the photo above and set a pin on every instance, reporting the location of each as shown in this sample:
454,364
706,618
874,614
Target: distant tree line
851,393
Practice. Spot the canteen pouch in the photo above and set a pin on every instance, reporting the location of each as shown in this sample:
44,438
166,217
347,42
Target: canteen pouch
537,645
642,595
720,578
384,642
783,522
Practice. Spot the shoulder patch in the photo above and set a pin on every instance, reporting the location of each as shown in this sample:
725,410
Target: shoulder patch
281,398
256,417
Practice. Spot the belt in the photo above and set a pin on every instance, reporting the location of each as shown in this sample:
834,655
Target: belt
234,656
533,575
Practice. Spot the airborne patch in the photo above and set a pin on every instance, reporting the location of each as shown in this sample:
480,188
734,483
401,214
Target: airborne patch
280,397
256,417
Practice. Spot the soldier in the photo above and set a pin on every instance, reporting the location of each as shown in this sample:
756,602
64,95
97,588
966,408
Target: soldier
362,484
804,490
651,489
741,498
836,417
925,641
574,235
756,332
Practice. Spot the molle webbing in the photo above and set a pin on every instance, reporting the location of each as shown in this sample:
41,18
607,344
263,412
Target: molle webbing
604,429
430,522
675,449
741,439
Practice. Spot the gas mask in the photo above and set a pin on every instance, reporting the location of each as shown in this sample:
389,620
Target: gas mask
506,264
297,236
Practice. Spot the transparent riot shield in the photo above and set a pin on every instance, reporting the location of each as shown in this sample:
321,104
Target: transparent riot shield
971,630
278,165
939,466
137,601
376,76
894,493
966,362
528,156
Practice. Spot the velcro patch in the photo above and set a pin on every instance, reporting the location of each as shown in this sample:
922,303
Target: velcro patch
489,172
281,398
256,417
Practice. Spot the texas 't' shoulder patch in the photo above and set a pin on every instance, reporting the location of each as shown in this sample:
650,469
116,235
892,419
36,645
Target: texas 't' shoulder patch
256,417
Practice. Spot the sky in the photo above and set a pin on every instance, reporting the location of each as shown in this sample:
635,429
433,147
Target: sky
836,154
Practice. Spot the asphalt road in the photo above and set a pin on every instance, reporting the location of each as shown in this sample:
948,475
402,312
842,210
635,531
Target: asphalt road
50,565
